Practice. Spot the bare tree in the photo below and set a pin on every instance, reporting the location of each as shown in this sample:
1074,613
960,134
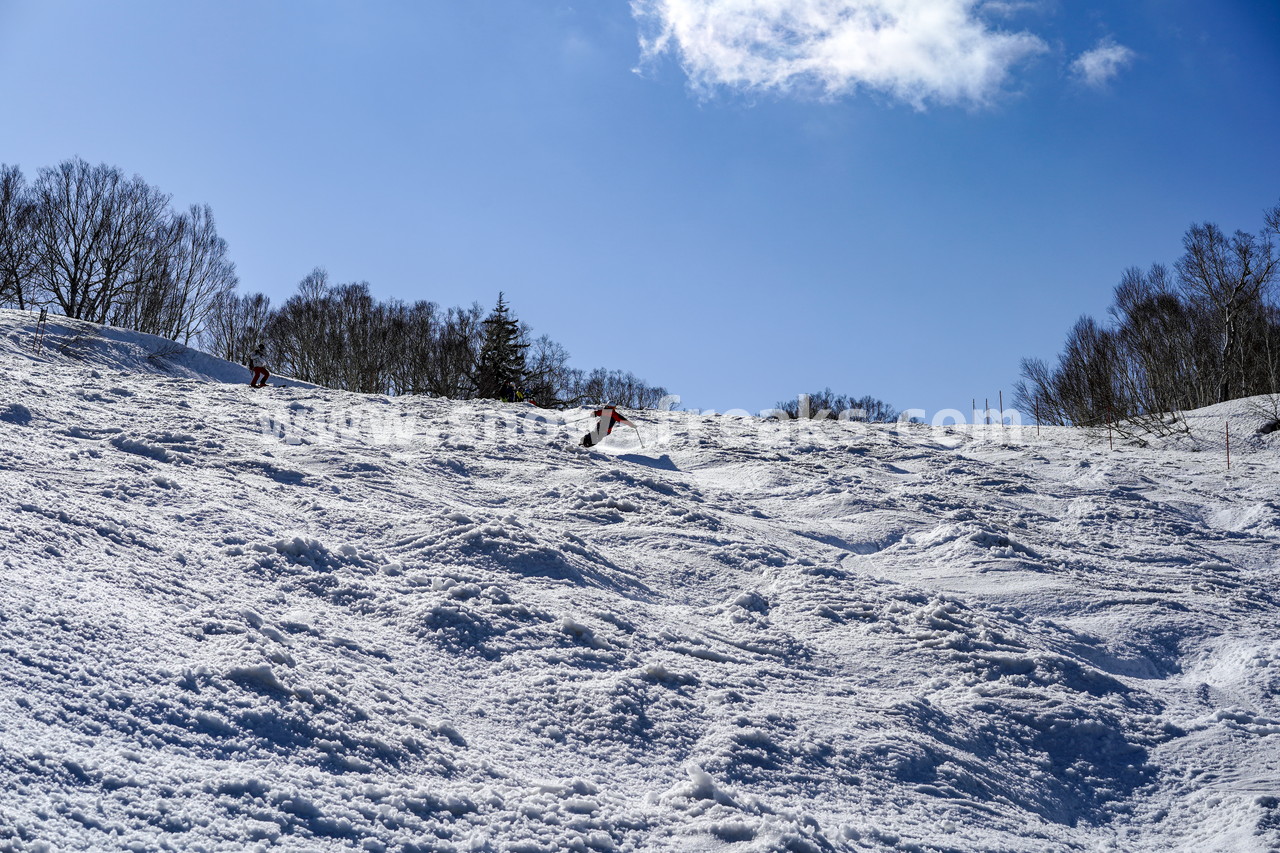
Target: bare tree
548,379
93,226
315,284
437,350
362,340
1230,278
339,336
1091,388
455,352
17,238
1156,329
1087,387
295,330
1210,335
617,388
236,325
1036,392
178,281
827,405
415,329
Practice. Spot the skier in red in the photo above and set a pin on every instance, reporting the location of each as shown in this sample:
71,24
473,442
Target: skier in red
609,417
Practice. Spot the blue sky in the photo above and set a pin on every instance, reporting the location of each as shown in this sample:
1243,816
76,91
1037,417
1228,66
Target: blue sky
739,200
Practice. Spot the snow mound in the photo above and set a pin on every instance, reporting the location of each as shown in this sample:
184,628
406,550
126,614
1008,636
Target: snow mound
1251,424
119,351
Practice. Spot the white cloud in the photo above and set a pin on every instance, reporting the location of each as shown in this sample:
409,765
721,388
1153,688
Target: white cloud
1097,67
915,50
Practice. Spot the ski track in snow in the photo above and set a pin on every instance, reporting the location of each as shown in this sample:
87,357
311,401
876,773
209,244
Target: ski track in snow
302,619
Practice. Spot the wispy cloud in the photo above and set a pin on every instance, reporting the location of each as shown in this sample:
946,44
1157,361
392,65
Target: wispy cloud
1097,67
1010,8
918,51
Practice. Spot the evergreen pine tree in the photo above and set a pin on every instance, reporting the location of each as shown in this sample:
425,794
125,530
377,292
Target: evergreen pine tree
502,362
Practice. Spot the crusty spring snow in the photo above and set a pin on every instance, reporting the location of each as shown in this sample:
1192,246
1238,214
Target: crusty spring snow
303,619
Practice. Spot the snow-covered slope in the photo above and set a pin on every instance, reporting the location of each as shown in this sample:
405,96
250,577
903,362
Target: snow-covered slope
115,350
302,619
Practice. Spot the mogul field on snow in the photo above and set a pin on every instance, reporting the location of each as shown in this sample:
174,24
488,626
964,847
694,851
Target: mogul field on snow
316,620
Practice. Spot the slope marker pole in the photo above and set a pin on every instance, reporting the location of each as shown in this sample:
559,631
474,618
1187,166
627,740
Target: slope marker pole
41,324
1228,445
